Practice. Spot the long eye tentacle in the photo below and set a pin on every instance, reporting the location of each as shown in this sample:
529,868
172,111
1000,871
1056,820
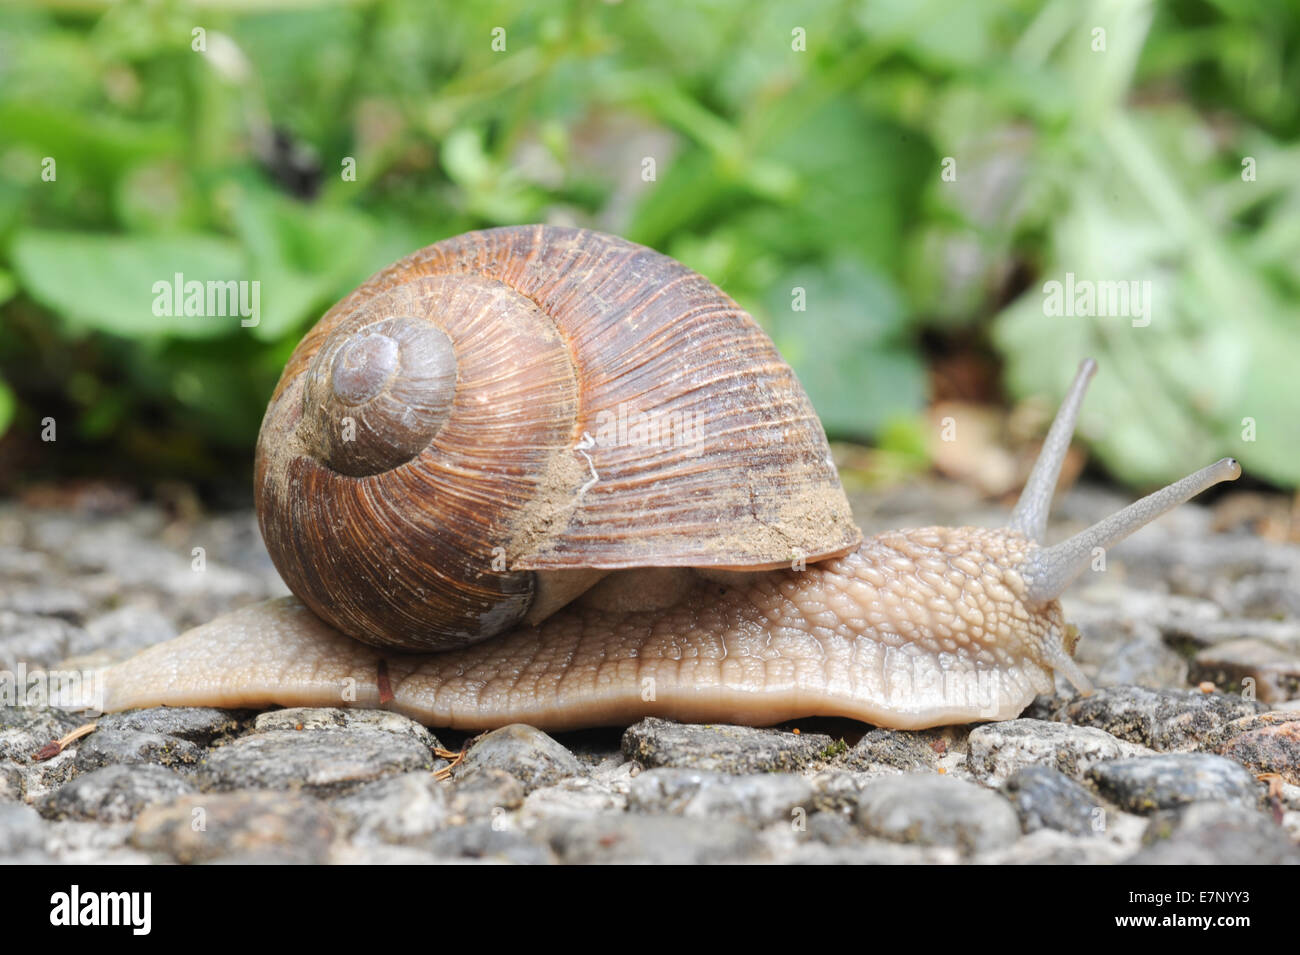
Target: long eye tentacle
1030,515
1050,570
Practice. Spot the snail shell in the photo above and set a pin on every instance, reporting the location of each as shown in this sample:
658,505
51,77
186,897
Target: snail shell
448,451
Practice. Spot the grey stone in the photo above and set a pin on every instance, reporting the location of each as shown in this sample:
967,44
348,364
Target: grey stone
19,564
897,750
483,794
21,829
125,630
44,601
859,851
32,641
130,747
838,790
928,810
400,809
1284,634
722,748
998,750
834,828
11,783
381,854
1125,651
1267,743
114,793
666,840
1161,719
1215,834
1146,784
243,826
323,761
198,724
524,752
1271,673
24,730
302,718
1053,847
575,796
756,799
1262,596
1045,798
489,842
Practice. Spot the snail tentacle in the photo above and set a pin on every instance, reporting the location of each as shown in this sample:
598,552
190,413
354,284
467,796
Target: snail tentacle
1051,569
1031,511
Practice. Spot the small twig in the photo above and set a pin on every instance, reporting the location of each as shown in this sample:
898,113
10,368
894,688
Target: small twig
1274,781
385,685
54,748
456,759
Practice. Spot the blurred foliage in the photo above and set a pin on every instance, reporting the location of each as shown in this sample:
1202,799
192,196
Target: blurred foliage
776,169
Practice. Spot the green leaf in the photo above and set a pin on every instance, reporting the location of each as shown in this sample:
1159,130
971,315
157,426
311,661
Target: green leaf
304,256
124,285
1216,356
847,347
8,404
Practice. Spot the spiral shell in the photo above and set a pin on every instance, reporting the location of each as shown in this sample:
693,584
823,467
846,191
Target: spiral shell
510,406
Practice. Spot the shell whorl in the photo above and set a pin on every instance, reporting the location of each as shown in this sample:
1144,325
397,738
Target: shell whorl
469,422
380,392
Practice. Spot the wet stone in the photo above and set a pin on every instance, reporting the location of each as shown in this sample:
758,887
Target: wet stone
1272,673
722,748
1145,785
1045,798
1215,834
757,799
323,761
667,840
928,810
1268,743
129,747
114,793
526,753
400,809
999,750
238,826
1160,719
198,724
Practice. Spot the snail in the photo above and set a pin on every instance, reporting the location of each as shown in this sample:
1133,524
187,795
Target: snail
546,475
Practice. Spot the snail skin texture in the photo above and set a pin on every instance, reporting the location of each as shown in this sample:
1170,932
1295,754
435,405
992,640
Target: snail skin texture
544,576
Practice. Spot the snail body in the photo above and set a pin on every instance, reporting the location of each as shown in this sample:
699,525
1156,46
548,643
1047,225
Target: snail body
438,472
